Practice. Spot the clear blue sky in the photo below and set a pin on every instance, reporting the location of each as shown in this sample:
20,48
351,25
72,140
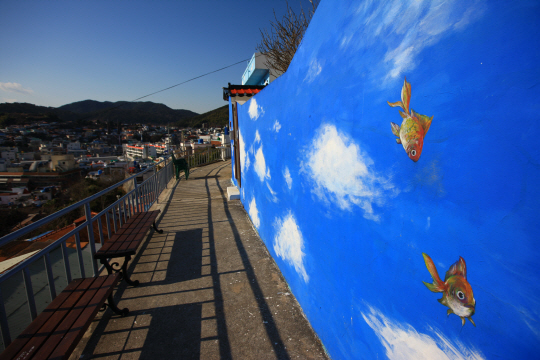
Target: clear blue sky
54,53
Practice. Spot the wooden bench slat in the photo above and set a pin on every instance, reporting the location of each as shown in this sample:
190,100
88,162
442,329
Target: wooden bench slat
20,342
47,328
71,339
66,324
119,232
139,233
131,244
127,229
127,242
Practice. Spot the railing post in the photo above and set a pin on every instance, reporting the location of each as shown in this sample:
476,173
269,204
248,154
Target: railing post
6,337
50,276
29,293
91,240
67,266
136,190
156,185
166,168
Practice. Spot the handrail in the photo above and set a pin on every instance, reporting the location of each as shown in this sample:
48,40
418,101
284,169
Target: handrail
144,194
140,198
16,234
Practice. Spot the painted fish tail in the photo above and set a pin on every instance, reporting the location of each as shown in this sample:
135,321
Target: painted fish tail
438,284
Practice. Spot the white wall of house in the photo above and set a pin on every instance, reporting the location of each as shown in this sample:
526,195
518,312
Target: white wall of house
9,154
7,198
27,156
63,162
74,146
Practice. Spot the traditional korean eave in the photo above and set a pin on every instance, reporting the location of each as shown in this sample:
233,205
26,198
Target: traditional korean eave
240,91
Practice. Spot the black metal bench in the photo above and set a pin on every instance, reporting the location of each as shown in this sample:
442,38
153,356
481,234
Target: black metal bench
125,243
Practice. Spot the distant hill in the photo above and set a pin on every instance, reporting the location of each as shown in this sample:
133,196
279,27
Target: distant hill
122,111
127,112
23,113
215,118
87,106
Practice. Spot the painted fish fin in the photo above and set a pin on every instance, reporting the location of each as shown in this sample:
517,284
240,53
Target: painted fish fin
442,300
438,285
406,95
448,312
403,115
471,320
395,129
462,321
424,120
395,104
398,141
459,268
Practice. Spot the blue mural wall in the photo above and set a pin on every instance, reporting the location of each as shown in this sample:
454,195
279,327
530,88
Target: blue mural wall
348,210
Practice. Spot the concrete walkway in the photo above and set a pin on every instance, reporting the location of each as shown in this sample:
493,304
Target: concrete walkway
208,287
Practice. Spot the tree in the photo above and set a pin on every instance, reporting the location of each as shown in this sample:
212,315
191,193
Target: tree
280,43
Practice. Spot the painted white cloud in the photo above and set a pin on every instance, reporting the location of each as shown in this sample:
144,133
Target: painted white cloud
314,70
255,110
407,27
425,28
287,176
289,244
244,154
254,213
272,192
277,126
403,342
15,87
343,174
260,165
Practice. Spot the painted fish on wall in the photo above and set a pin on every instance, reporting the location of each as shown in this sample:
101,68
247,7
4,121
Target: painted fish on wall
457,292
413,127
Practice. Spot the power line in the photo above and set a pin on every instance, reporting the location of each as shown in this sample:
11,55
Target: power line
170,87
197,77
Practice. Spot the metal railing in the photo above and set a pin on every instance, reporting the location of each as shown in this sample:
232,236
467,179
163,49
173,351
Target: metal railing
28,287
204,157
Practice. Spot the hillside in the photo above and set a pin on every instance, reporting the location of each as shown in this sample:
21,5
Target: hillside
128,112
23,113
215,118
88,110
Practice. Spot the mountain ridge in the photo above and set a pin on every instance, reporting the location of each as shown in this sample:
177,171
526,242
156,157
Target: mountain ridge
88,110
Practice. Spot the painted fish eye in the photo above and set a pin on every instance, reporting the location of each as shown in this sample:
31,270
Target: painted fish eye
413,153
460,295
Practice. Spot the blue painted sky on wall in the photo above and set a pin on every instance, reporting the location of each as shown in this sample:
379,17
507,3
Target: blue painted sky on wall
347,215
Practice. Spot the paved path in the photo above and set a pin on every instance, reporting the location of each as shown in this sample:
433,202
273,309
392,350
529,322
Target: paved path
209,288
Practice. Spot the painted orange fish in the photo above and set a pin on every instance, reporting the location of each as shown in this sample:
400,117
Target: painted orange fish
457,292
414,126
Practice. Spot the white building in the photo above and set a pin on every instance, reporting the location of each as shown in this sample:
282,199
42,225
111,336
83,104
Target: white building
74,145
162,148
9,153
258,72
140,151
3,165
26,156
63,163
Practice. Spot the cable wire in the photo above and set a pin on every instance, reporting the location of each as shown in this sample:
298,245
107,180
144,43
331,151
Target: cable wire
197,77
168,88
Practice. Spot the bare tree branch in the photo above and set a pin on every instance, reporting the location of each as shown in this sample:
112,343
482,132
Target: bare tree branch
280,43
